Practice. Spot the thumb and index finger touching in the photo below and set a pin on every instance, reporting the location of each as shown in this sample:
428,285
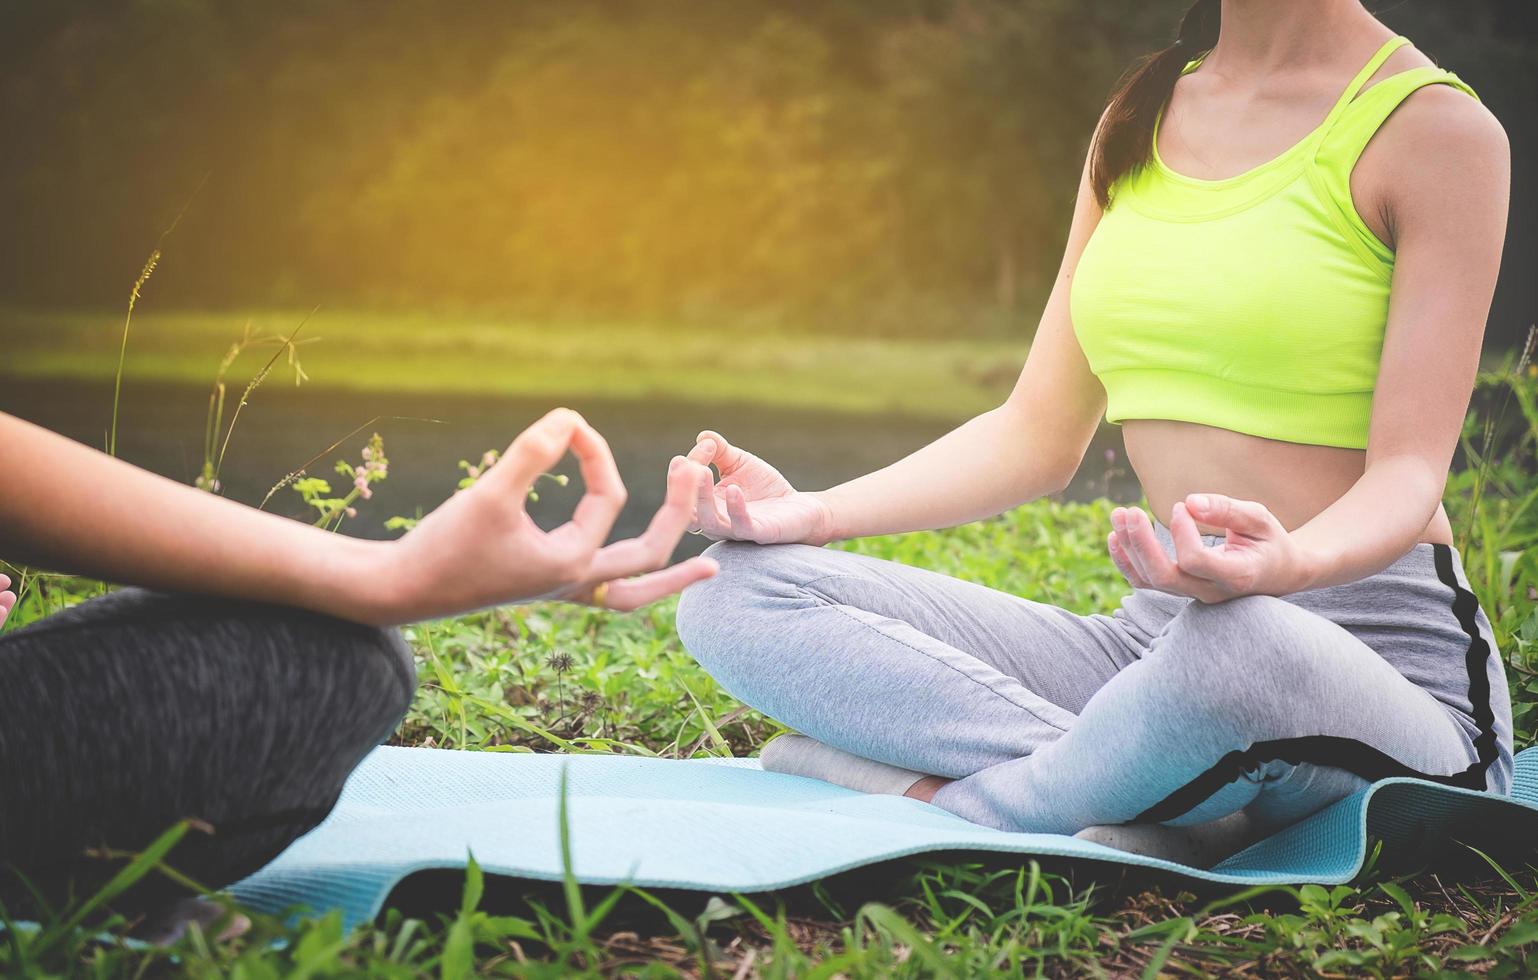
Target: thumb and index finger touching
541,446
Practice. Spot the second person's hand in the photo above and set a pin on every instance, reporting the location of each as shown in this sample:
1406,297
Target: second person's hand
752,501
481,548
7,598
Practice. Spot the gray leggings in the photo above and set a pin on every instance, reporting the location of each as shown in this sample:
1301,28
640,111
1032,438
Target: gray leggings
1166,711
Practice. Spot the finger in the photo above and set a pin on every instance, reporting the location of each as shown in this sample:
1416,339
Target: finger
1218,510
707,509
737,512
7,599
536,450
1118,527
1123,563
1124,545
1148,554
704,449
680,468
1121,520
5,582
628,594
722,453
652,548
604,492
1192,556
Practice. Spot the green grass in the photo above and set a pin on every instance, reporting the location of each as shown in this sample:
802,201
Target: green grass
491,356
568,679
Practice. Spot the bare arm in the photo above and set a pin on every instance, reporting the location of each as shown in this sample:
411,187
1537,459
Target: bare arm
1446,167
65,506
1026,448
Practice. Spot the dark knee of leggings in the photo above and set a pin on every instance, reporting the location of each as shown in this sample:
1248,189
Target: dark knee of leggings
386,672
350,681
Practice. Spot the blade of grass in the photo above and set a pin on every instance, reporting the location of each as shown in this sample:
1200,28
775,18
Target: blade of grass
569,886
142,864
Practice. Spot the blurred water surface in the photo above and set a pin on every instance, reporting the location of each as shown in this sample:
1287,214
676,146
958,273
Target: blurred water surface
161,428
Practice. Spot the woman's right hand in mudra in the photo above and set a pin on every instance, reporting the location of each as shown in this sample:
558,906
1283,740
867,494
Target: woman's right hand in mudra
752,501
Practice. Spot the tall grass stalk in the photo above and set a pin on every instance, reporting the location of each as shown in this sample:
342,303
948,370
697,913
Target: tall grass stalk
122,354
133,301
213,424
252,385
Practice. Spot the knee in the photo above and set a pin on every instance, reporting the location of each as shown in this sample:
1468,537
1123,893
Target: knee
713,614
1222,657
1246,633
380,663
365,676
706,608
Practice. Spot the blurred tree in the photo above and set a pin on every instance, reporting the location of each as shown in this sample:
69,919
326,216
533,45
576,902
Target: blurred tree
860,165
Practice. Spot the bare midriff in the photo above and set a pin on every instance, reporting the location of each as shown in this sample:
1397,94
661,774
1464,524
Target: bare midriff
1294,481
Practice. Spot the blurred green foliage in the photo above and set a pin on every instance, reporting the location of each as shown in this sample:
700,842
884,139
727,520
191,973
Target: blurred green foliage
870,166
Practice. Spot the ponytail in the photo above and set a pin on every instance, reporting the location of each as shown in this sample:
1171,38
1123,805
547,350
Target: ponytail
1125,138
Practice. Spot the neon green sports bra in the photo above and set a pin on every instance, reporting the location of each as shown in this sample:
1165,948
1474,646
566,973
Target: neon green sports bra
1255,303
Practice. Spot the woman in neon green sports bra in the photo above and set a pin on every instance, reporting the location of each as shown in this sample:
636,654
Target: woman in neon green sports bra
1276,280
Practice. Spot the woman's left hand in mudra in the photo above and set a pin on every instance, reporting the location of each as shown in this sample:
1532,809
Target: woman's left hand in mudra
1257,557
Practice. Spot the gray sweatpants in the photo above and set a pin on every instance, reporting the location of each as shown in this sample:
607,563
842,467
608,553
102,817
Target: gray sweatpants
1167,710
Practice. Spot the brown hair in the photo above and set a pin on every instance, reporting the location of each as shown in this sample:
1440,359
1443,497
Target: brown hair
1125,138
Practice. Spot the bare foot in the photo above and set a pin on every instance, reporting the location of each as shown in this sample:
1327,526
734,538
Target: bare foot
925,789
167,925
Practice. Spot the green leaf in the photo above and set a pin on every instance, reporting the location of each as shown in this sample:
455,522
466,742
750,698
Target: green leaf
1399,895
1469,954
1520,934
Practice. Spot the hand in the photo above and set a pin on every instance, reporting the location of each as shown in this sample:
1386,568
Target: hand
481,548
753,502
7,599
1257,557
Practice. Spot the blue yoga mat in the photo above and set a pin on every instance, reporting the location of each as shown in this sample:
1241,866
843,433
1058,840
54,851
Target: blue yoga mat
727,826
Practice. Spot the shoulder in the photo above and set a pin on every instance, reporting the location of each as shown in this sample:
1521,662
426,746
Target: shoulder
1443,121
1434,129
1438,145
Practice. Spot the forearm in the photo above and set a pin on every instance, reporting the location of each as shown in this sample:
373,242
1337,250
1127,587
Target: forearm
65,506
1373,524
993,462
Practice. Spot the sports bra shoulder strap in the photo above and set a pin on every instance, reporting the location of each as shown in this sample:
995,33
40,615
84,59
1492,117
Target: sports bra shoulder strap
1368,70
1356,122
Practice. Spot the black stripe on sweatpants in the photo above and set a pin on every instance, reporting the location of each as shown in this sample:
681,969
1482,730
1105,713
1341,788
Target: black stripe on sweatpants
1349,754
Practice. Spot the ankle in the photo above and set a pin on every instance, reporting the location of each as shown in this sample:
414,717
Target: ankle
925,789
